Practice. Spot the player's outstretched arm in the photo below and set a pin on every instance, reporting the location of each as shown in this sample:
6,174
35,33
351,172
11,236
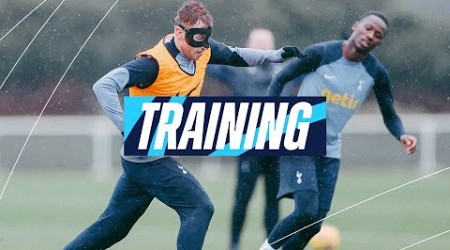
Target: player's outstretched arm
292,51
246,57
285,75
392,121
307,62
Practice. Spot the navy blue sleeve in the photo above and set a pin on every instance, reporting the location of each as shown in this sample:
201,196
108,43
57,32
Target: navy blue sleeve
296,67
382,88
221,54
221,73
142,72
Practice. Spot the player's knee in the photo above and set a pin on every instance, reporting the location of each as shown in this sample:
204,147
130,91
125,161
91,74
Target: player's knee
206,208
306,216
209,210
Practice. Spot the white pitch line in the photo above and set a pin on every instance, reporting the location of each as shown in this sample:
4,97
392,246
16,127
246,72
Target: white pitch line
32,40
427,239
51,95
31,12
361,202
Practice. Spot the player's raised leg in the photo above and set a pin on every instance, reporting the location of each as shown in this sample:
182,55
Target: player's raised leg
168,181
128,202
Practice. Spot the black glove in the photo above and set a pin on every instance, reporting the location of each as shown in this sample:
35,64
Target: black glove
292,51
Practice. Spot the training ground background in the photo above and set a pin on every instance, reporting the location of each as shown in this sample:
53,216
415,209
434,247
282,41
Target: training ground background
68,169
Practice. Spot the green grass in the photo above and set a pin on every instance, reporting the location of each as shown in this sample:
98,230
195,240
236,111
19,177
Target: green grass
46,210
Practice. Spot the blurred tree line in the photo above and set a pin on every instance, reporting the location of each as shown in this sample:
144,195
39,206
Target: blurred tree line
416,50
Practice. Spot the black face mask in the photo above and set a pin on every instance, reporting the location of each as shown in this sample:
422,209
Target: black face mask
197,37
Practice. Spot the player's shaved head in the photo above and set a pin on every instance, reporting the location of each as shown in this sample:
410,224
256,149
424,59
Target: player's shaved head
376,13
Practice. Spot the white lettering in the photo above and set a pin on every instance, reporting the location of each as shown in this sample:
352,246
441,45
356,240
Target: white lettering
194,127
231,127
149,109
252,124
170,120
212,125
271,129
293,124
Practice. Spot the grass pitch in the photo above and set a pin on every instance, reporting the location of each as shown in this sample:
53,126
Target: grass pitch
46,210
